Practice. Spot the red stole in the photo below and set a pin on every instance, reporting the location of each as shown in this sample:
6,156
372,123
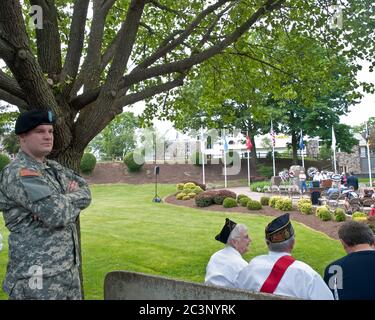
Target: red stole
277,272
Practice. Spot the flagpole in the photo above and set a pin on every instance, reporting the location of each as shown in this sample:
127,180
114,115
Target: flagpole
334,150
303,160
225,162
273,152
248,162
368,155
203,156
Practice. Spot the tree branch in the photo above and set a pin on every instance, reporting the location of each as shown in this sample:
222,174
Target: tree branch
149,92
11,85
77,33
165,8
127,32
138,74
48,39
6,96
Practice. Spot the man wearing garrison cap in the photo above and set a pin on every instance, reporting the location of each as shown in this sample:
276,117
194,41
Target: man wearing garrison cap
278,272
41,201
224,265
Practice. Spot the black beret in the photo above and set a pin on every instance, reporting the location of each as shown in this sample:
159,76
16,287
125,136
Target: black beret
279,229
29,120
225,232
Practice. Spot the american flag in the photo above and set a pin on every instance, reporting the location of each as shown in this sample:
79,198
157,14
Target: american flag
273,135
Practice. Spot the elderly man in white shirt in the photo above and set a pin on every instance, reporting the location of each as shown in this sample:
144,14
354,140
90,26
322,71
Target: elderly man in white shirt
278,272
224,265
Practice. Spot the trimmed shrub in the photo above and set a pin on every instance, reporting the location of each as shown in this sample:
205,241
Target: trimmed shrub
4,160
323,213
179,186
243,201
240,196
254,205
88,163
306,208
192,195
284,204
222,194
339,215
205,199
131,164
197,189
189,185
301,202
265,201
359,214
180,195
229,203
360,219
203,186
186,198
272,202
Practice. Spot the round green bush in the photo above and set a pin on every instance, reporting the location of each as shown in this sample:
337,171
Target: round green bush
265,201
197,189
192,195
180,195
189,185
220,195
306,208
284,204
302,202
133,166
240,196
4,160
339,215
88,163
254,205
243,201
186,198
272,202
179,186
229,203
323,213
359,214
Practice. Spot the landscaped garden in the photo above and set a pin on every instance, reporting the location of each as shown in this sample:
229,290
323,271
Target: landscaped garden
124,230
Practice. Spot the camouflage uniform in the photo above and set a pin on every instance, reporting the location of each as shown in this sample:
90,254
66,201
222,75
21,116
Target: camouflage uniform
43,251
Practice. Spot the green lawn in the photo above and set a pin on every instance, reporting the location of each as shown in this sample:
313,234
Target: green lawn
124,230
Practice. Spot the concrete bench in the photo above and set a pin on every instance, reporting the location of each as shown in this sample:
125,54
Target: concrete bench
126,285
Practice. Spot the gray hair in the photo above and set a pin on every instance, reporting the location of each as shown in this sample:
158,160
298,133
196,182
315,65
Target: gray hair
236,232
281,246
354,233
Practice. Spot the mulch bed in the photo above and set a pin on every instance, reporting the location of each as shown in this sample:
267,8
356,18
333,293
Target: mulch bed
330,228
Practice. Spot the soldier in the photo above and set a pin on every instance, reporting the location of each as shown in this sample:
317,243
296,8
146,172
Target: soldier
41,201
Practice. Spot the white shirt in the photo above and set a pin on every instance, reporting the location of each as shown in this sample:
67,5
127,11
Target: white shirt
224,266
299,280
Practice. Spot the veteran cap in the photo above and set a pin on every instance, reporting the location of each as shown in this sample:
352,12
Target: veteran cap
279,229
225,232
29,120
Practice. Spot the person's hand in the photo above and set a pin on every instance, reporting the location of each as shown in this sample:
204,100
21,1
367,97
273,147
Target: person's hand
73,186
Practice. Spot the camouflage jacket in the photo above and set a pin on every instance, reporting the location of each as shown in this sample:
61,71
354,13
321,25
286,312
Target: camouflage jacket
27,189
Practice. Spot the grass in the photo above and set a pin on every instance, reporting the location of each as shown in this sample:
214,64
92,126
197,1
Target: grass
124,230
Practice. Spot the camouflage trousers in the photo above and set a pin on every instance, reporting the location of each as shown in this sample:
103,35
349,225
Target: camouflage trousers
63,286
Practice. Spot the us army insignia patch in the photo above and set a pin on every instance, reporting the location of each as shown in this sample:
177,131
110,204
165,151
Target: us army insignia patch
28,173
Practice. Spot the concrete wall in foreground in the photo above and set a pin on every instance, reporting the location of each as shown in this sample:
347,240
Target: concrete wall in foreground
125,285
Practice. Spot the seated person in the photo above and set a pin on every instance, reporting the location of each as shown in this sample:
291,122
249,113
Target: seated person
352,277
332,190
350,193
278,272
224,265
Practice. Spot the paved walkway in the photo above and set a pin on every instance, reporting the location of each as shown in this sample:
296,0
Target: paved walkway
246,190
